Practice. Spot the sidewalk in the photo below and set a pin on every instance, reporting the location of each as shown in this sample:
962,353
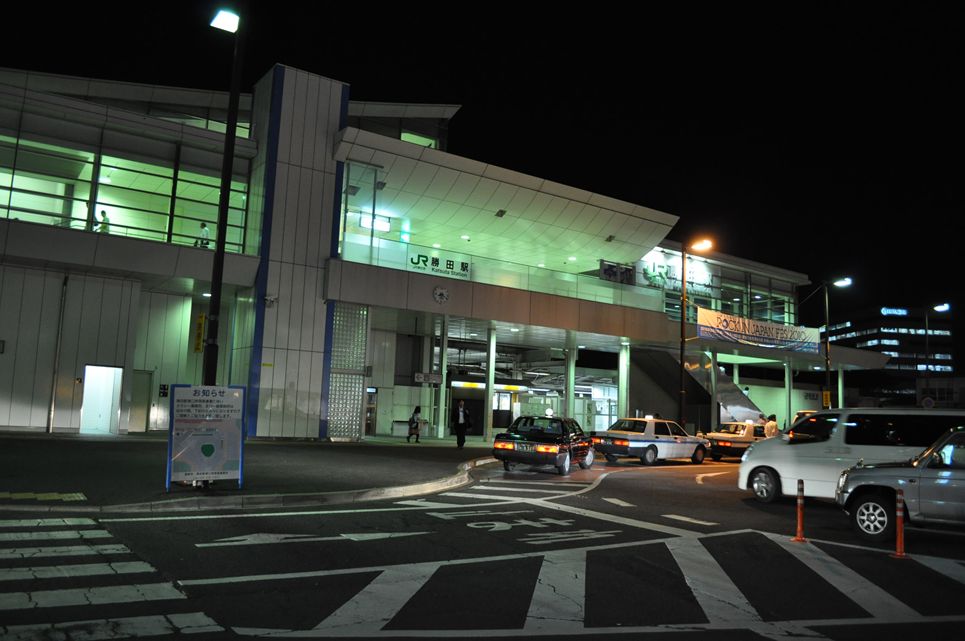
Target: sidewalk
74,473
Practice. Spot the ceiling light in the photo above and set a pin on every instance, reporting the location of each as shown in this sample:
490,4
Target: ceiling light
436,245
465,237
571,258
610,238
581,347
207,294
379,185
474,334
513,329
351,190
500,213
542,265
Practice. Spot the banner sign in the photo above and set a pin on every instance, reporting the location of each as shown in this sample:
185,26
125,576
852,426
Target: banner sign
438,263
734,329
206,433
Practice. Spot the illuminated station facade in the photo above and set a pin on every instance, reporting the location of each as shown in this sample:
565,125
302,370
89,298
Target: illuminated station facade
368,271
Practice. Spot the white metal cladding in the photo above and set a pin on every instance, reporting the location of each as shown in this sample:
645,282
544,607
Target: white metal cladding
347,384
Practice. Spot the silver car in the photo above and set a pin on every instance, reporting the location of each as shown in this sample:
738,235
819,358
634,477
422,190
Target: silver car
933,484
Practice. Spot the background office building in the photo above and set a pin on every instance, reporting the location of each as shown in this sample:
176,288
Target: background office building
920,349
368,270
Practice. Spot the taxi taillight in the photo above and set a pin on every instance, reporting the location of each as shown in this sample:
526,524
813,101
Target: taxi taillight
548,449
596,439
505,445
621,441
724,443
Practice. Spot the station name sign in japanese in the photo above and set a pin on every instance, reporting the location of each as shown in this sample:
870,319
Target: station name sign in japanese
734,329
206,434
438,263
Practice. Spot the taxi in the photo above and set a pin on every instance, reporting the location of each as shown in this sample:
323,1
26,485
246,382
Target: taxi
544,440
649,439
733,438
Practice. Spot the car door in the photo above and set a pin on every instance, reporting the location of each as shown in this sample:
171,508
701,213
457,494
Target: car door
684,444
942,483
663,440
579,444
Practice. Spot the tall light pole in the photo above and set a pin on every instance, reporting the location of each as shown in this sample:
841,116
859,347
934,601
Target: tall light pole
701,245
226,21
944,307
841,282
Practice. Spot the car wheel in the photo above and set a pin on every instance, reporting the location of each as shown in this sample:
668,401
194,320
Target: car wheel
873,515
508,466
564,469
610,458
587,461
716,457
765,484
698,456
649,456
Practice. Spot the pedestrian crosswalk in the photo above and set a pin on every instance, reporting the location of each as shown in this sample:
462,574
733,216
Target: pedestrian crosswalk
49,590
669,584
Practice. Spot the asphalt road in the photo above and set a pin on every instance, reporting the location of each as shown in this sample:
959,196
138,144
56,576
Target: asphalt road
619,549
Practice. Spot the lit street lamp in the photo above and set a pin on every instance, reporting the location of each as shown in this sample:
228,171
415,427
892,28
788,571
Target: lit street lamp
226,21
944,307
701,245
841,282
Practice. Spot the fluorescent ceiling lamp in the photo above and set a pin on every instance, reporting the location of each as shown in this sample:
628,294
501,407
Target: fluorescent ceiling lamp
226,21
465,237
206,295
381,222
436,245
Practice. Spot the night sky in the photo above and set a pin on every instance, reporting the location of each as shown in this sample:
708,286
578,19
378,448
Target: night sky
822,138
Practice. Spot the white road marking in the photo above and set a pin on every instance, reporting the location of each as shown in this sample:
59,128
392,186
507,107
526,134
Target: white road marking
69,550
373,607
557,484
687,519
60,534
62,571
612,518
428,504
952,569
515,489
505,499
559,597
267,538
47,522
122,628
88,596
619,502
700,477
720,599
869,596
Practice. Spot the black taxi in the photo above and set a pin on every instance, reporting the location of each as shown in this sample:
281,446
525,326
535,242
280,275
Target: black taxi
544,440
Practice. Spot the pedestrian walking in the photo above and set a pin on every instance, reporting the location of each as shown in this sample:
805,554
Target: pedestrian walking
460,423
415,422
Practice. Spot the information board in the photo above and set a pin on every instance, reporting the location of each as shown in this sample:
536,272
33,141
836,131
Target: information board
206,434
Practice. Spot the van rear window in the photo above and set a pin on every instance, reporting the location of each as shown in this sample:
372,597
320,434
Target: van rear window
898,430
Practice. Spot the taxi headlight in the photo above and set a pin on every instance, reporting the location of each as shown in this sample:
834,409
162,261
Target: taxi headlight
747,452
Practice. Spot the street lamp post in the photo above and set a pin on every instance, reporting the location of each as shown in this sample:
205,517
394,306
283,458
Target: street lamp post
701,245
943,307
841,282
226,21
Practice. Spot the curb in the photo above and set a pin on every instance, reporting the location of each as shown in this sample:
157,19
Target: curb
262,501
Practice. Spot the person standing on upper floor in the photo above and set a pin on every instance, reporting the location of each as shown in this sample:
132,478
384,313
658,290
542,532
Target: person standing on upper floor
460,422
104,226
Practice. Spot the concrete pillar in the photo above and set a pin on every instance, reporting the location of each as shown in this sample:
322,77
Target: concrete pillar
442,416
840,388
490,382
737,374
714,407
623,382
571,354
788,391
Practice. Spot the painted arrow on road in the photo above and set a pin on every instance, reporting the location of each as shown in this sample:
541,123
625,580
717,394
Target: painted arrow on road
265,538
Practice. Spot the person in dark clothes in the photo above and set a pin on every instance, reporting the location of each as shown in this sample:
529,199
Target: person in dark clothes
460,423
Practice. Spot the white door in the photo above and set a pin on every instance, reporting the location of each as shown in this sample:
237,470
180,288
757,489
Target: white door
100,413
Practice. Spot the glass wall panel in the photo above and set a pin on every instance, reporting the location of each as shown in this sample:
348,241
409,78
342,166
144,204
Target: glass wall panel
49,184
136,197
197,201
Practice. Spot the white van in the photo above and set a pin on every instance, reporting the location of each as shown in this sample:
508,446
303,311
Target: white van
817,449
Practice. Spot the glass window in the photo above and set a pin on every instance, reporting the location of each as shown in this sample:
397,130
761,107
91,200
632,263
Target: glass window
908,430
661,429
422,141
196,201
536,425
814,428
676,430
49,185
